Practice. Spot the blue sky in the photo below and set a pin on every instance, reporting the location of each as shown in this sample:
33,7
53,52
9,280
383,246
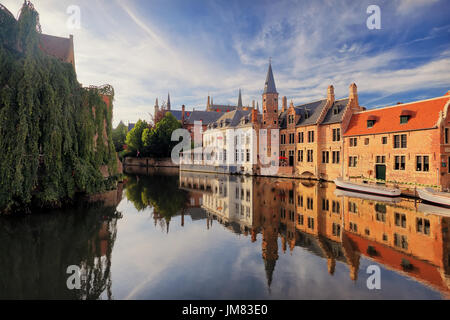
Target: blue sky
193,47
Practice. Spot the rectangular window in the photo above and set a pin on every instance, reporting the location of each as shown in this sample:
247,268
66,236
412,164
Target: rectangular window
423,226
336,230
311,223
310,204
353,142
352,162
336,207
352,207
400,141
336,157
336,134
300,219
400,220
248,155
325,157
400,163
381,159
325,205
404,119
310,136
300,201
300,156
384,140
447,135
423,163
300,137
310,156
400,241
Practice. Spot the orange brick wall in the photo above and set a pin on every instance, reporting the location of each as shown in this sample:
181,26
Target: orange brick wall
424,142
329,171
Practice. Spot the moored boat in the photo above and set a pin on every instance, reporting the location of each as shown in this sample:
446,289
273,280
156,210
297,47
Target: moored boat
367,188
366,196
434,197
432,209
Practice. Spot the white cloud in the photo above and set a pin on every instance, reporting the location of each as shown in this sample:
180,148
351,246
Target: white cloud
408,6
312,45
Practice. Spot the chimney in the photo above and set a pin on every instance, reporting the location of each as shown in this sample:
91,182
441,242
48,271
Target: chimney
330,94
183,113
284,108
254,116
208,104
353,95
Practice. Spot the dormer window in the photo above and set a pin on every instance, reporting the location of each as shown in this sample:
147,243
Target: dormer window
306,115
404,119
371,121
336,110
405,116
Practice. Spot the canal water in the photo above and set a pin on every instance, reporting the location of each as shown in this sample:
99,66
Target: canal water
172,235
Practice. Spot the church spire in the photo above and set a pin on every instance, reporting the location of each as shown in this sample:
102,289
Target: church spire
240,100
269,86
168,101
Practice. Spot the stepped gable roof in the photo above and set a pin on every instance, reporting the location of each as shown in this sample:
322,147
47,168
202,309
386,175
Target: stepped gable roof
336,112
423,115
206,117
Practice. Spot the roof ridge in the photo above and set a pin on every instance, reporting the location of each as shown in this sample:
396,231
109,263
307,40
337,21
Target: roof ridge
403,104
301,105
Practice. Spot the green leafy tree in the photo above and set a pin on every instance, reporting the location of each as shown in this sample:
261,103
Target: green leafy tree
134,136
119,136
158,140
52,129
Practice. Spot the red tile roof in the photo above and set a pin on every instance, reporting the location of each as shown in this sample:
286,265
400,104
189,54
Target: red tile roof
423,115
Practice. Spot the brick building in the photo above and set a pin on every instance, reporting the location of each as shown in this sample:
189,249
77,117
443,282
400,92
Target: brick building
405,143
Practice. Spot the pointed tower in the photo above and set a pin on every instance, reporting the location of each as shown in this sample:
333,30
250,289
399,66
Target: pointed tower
270,101
168,102
156,107
239,105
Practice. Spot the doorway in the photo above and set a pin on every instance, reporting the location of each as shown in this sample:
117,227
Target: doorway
291,158
380,172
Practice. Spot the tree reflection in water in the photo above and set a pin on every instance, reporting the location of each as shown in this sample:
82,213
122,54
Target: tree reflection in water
36,250
159,192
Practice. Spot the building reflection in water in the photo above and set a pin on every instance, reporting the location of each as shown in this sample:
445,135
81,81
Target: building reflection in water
36,250
327,222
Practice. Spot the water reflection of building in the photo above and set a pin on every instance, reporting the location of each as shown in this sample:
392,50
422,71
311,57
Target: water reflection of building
333,226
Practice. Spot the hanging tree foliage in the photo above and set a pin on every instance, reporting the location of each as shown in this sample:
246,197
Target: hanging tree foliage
53,137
